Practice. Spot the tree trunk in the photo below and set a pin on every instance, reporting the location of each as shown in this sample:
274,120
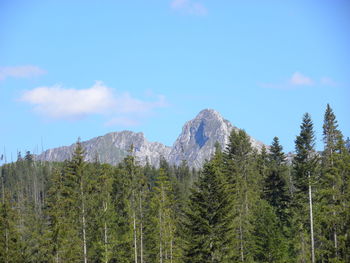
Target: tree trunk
171,250
303,248
160,237
135,238
311,224
334,213
7,244
134,221
84,223
3,188
335,228
241,237
141,230
105,234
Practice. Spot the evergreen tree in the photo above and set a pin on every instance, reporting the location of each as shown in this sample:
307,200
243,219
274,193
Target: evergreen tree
162,243
101,213
263,163
304,165
275,184
68,217
332,195
129,189
208,231
10,243
56,216
121,193
241,173
269,241
344,237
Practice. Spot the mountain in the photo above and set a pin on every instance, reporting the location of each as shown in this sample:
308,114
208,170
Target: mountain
112,148
195,144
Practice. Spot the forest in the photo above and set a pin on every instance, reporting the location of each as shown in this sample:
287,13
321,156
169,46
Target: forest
242,206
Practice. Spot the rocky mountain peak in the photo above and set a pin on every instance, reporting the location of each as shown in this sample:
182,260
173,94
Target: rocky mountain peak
195,144
208,113
112,148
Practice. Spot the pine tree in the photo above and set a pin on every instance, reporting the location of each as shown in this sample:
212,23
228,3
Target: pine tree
241,173
208,222
275,184
269,242
344,224
121,200
10,243
127,188
68,210
304,165
56,216
332,195
101,213
262,163
161,224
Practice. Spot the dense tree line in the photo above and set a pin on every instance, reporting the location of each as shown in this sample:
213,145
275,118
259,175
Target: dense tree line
242,206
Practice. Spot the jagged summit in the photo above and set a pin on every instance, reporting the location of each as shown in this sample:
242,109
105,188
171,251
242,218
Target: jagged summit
209,114
195,144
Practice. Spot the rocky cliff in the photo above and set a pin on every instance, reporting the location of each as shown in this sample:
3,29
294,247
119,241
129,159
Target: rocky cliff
195,144
112,148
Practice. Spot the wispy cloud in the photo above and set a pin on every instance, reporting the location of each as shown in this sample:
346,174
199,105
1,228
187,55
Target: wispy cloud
57,102
189,7
20,72
296,80
299,79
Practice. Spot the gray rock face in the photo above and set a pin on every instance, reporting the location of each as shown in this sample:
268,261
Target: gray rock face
112,148
195,144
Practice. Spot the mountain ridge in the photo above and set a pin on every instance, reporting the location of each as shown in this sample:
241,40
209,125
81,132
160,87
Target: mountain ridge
195,144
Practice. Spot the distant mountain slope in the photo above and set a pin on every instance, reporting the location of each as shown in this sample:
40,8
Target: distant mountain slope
112,148
195,144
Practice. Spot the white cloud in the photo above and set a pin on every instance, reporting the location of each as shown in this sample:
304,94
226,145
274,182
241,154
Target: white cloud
299,79
296,80
20,72
58,102
189,7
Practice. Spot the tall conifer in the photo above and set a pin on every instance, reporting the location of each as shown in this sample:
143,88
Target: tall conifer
208,224
304,165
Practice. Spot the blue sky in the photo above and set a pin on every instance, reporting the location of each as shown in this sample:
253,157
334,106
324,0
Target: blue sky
86,68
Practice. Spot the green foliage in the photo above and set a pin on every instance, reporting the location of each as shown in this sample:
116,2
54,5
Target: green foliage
304,176
269,242
242,206
208,230
161,240
276,190
304,162
10,244
331,195
245,191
